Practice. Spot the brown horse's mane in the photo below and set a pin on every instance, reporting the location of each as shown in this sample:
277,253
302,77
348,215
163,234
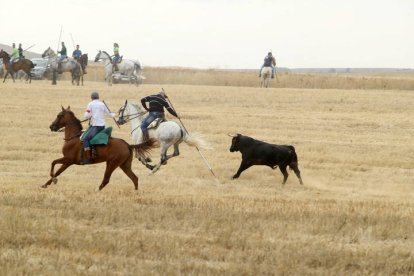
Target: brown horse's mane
76,120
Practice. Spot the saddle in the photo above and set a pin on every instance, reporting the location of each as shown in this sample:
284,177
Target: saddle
156,123
101,138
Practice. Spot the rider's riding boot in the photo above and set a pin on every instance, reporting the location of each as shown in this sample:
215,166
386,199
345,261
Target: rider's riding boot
116,67
145,136
273,76
60,68
87,157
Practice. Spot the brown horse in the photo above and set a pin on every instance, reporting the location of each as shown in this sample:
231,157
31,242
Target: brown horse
22,64
83,60
117,153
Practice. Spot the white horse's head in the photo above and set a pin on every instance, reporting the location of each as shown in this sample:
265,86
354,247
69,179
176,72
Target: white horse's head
48,53
130,111
102,55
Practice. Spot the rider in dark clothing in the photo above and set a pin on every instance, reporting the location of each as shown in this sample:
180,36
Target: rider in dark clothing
157,103
63,55
269,61
20,51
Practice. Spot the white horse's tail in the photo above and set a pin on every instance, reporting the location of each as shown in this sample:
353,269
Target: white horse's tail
195,140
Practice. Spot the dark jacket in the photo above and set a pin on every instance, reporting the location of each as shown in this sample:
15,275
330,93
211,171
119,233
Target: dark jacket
157,103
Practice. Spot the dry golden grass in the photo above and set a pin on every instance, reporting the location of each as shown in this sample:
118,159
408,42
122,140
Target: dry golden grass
154,75
354,215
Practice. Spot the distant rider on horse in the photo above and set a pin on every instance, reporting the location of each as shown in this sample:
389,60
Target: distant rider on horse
116,58
77,53
14,56
63,55
20,49
157,103
95,110
269,61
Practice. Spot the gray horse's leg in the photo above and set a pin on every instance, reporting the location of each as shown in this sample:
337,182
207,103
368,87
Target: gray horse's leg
163,160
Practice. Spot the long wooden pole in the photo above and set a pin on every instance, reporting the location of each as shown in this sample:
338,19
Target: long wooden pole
202,156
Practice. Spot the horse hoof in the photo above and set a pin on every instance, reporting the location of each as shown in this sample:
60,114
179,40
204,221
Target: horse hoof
43,186
54,180
97,190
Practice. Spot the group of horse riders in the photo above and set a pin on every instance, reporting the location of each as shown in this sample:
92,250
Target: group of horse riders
76,55
96,111
16,53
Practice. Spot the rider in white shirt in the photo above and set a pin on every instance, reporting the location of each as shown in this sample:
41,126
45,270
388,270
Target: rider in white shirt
95,110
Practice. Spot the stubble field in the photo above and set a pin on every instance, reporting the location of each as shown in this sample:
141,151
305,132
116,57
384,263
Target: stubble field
354,215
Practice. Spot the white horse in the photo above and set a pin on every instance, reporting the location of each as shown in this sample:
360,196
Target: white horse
168,133
266,73
70,65
128,67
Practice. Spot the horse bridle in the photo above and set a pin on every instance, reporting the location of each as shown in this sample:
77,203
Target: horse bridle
121,119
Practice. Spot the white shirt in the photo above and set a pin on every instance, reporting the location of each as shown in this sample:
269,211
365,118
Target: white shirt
96,110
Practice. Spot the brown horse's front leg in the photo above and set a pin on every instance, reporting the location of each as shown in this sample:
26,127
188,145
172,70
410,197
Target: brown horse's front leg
53,176
57,161
5,76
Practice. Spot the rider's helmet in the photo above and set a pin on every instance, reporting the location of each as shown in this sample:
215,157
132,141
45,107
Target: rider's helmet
116,45
269,54
94,95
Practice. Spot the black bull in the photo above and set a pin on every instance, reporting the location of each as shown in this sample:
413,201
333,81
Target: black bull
255,152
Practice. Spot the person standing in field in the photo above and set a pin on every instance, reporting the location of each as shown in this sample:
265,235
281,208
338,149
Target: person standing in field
269,61
157,103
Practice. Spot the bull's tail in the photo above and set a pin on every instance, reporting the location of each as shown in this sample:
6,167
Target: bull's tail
294,161
143,149
32,65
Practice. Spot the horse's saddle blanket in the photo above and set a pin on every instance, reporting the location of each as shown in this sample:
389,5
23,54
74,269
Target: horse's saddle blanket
101,138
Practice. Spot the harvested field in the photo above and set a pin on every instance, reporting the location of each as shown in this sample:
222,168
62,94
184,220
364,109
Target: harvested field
354,215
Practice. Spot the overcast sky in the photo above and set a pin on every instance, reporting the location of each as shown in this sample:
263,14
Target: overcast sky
227,34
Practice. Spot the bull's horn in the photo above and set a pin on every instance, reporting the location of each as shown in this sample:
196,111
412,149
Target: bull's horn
232,135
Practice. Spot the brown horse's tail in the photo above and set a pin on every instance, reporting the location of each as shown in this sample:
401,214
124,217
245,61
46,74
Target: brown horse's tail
143,149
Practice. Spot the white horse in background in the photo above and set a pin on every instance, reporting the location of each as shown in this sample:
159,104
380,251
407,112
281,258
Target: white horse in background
266,74
127,67
168,133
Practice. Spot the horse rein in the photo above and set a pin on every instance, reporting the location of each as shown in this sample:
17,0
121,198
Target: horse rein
131,117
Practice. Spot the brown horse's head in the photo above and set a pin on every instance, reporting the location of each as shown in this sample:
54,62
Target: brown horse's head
4,54
64,118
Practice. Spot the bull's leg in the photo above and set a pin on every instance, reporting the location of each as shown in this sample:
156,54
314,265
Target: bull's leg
297,172
284,172
243,166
